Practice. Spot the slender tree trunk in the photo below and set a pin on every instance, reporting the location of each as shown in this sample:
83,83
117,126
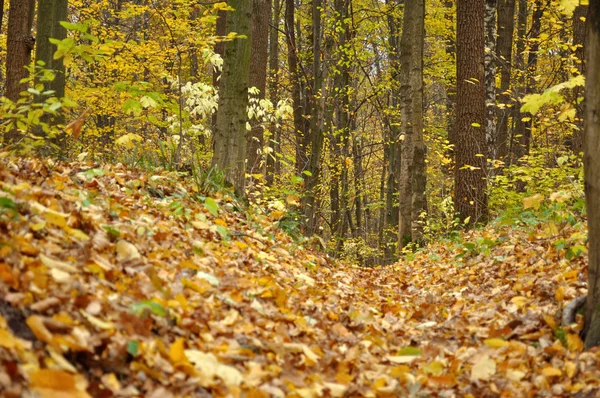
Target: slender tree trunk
506,27
419,175
50,14
220,30
592,173
316,134
261,15
295,82
406,142
490,78
470,196
451,80
520,81
18,53
523,127
392,154
230,135
273,164
579,33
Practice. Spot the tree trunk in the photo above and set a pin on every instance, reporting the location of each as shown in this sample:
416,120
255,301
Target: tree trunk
579,32
419,174
273,163
506,27
406,118
18,53
451,80
470,196
390,230
220,30
592,173
295,82
490,77
261,15
50,14
523,127
230,135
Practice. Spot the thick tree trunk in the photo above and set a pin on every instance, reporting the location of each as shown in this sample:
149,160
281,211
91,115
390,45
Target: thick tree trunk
50,14
592,173
261,16
490,78
230,135
506,27
470,196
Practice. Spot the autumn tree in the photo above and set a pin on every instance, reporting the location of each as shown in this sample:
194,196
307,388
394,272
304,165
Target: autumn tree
49,15
470,196
19,46
230,133
504,49
592,172
261,16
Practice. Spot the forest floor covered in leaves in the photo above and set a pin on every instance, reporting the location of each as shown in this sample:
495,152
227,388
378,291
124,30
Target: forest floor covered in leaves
115,282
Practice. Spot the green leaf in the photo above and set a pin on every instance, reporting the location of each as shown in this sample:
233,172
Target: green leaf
211,205
148,305
412,351
133,348
7,203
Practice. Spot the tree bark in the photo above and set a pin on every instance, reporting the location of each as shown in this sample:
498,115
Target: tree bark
504,45
261,16
406,118
419,175
470,196
50,13
273,164
490,77
579,33
523,127
292,50
592,173
18,53
230,135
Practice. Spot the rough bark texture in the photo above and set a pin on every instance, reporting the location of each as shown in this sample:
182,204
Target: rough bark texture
470,196
261,16
419,175
18,53
19,46
579,33
220,30
490,77
504,45
230,135
592,173
50,13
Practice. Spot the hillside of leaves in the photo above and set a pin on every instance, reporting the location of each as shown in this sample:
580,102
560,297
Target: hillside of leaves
116,282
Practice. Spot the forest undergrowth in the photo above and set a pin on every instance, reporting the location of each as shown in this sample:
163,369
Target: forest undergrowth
117,282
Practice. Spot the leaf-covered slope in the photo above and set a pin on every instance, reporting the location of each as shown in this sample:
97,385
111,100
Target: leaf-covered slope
118,283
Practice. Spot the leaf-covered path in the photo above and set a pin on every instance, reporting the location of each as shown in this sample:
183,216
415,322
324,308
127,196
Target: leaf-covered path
117,283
